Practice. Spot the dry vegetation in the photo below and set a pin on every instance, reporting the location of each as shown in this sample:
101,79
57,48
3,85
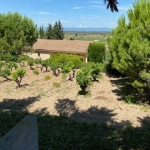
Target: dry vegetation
102,104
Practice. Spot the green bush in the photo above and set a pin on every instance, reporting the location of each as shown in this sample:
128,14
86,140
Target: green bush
63,58
76,60
96,52
8,57
2,64
35,71
129,99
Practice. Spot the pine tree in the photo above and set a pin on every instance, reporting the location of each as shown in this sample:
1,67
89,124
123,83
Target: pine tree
58,31
61,32
129,44
49,32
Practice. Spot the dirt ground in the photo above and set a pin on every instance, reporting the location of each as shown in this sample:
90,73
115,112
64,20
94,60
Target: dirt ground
103,104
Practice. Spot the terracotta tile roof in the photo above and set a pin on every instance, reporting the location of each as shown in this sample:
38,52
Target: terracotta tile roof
70,46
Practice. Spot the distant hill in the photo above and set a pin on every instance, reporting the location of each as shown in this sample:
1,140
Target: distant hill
105,29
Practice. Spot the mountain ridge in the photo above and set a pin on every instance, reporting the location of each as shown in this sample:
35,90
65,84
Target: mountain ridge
88,29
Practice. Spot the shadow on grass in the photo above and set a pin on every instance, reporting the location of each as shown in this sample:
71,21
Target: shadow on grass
63,132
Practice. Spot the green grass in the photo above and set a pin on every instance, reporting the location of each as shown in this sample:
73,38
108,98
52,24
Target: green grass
66,134
48,77
145,108
36,72
56,84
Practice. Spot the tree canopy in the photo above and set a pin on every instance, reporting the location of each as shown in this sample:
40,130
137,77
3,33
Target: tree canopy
41,32
16,32
130,44
55,32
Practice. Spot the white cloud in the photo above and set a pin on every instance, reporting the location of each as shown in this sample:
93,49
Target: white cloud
45,13
79,7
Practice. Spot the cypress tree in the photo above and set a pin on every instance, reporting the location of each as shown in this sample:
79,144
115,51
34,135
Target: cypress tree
96,52
41,32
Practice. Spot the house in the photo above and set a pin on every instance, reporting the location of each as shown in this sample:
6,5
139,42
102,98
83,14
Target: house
50,47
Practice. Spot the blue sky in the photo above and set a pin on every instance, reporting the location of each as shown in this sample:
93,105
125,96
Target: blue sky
71,13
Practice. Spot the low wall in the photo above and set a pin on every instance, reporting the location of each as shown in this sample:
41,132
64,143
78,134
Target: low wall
24,136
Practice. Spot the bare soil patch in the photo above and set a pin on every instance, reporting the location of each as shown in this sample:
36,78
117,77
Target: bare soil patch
101,105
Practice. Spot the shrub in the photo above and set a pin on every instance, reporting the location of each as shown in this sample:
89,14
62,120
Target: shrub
2,64
12,65
53,67
129,99
45,63
8,57
22,59
47,77
72,38
96,52
56,84
38,61
18,75
35,71
96,68
5,72
83,78
31,62
76,60
66,68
